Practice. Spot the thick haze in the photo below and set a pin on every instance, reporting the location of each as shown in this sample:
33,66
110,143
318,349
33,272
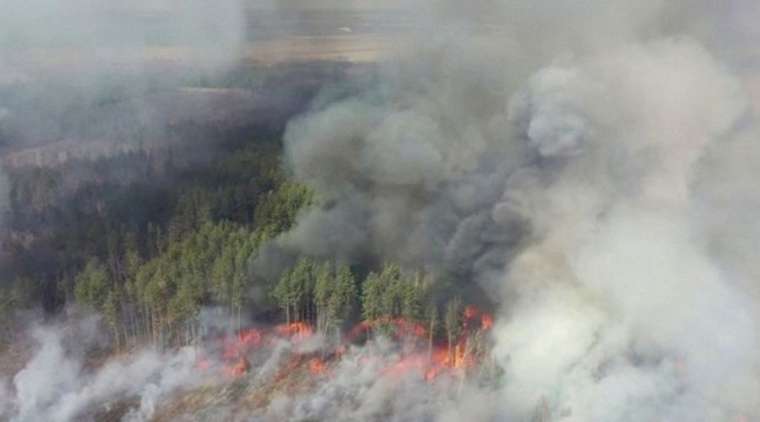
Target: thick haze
102,30
60,58
95,78
586,162
589,164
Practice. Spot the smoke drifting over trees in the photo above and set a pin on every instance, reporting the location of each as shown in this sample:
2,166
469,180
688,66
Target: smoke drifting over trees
584,168
562,170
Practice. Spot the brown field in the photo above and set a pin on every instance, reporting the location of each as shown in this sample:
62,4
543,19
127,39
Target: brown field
360,48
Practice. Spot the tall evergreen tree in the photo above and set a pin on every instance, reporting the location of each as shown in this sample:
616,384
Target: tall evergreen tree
324,287
453,322
372,297
92,285
343,297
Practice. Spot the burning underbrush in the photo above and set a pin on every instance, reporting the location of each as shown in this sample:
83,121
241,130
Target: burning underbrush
290,370
418,347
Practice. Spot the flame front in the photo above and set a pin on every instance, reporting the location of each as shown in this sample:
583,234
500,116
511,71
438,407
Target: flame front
420,354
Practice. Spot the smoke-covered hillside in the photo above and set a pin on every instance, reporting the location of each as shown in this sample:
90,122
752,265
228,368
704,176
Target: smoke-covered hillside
429,210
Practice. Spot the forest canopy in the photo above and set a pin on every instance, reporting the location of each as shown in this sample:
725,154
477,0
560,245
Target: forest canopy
151,253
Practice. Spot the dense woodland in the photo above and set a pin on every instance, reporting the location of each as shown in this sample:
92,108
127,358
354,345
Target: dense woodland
148,238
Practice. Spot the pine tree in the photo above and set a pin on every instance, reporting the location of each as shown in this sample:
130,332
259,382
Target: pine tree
222,275
240,281
301,288
453,322
112,313
282,294
412,291
132,259
324,284
92,285
372,297
343,297
431,313
392,286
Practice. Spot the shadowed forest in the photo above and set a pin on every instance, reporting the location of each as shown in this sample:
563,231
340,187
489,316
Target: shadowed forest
148,236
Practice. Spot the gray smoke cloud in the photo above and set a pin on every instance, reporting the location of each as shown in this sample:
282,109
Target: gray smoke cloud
103,31
58,383
590,164
88,79
359,388
83,70
617,284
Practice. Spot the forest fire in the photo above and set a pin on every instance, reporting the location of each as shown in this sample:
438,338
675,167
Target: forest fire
317,366
239,368
486,321
246,340
295,331
398,327
422,354
235,349
238,211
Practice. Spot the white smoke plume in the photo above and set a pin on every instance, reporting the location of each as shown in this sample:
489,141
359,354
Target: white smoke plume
57,383
594,174
359,388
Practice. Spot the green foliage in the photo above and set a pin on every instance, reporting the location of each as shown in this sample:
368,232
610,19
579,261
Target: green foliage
343,298
64,216
278,213
413,292
324,287
152,278
453,320
372,297
150,253
92,285
207,266
335,295
295,289
283,295
392,294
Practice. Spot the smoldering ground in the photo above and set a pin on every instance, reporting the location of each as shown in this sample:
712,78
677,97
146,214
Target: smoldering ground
65,381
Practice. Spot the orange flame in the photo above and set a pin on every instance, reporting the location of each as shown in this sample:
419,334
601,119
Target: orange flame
241,344
295,330
203,364
453,359
401,328
317,366
486,321
250,337
471,312
240,368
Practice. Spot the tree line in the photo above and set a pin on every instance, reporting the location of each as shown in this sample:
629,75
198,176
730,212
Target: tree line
150,257
159,299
